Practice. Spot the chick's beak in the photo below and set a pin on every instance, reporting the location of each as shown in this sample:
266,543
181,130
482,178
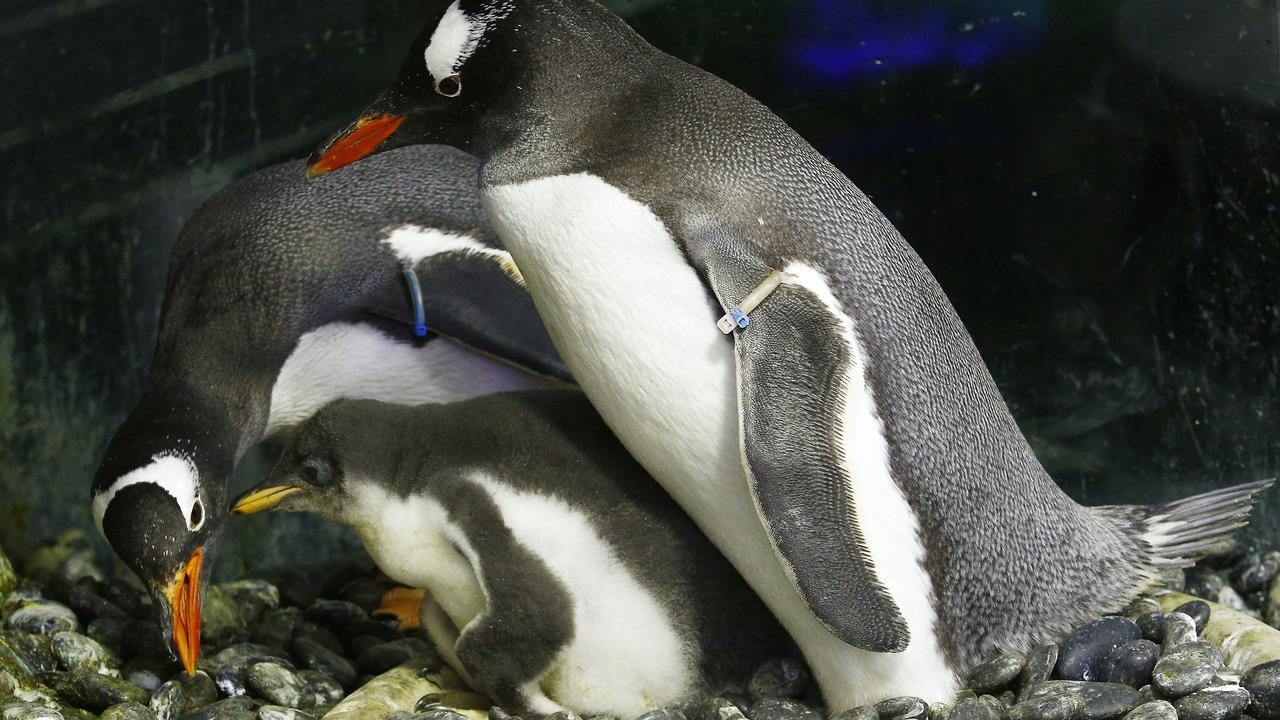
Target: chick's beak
354,142
184,598
261,499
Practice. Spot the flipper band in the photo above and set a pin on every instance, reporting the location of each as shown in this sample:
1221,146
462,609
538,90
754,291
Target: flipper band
415,295
737,318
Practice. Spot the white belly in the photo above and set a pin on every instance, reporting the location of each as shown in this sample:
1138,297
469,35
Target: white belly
663,377
356,360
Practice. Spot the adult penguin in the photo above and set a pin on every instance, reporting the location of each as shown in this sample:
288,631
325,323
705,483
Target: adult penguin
283,295
846,448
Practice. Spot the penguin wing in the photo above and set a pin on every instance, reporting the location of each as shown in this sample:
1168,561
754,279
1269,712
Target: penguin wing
804,418
479,299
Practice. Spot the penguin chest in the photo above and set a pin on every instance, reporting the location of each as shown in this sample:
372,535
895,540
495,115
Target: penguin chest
637,328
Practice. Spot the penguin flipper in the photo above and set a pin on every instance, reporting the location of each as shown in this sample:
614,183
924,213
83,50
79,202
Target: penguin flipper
794,382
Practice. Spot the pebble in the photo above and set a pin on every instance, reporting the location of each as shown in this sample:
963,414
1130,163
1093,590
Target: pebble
1102,701
319,689
29,711
1198,611
1131,663
1186,669
199,689
1085,649
276,712
89,605
146,673
939,711
1255,571
902,707
77,652
144,638
221,624
1152,626
253,597
719,708
34,651
126,597
773,708
109,632
92,691
307,630
444,714
995,673
127,711
1040,665
1263,683
229,683
974,709
1224,702
43,618
276,683
315,656
1050,707
1153,710
780,677
1179,629
335,613
383,657
168,702
229,709
662,714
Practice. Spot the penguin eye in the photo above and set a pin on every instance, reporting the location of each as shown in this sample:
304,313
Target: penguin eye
317,471
197,515
449,87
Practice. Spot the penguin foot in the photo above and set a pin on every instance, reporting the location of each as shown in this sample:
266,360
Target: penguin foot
404,604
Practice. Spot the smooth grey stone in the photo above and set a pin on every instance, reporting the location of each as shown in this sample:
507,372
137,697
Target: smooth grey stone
275,632
276,712
382,658
276,683
315,656
385,628
254,598
1146,694
1174,579
1179,629
1102,701
719,708
77,652
440,714
1186,669
1229,598
109,632
1224,702
199,689
1205,583
239,708
89,605
92,691
563,715
974,709
1154,710
319,689
772,708
147,673
995,673
43,618
1141,606
307,630
1007,698
229,684
1198,611
168,701
126,597
127,711
1131,663
221,625
34,650
238,658
1263,683
360,643
939,711
497,713
1051,707
996,704
29,711
1085,649
400,715
144,639
335,613
780,677
1040,665
1255,571
662,714
902,707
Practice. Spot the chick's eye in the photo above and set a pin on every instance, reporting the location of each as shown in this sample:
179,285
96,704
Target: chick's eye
449,86
317,471
197,515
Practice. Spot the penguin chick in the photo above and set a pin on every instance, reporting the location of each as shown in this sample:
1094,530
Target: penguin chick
559,575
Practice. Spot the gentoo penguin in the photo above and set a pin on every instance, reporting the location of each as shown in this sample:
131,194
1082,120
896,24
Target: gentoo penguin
558,575
768,346
282,295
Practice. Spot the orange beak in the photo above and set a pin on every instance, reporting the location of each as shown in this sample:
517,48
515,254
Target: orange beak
184,598
357,143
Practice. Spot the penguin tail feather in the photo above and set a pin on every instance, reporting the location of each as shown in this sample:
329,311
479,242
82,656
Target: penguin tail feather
1183,531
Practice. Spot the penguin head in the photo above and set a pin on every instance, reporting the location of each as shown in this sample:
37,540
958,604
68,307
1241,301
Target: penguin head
158,507
310,474
484,71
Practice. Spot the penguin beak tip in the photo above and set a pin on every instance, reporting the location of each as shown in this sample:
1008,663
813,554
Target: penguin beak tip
356,142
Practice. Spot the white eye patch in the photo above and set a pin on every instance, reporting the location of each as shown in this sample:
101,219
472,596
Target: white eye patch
458,35
174,474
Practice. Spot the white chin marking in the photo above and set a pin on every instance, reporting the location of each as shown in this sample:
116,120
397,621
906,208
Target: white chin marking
664,381
413,244
171,471
358,361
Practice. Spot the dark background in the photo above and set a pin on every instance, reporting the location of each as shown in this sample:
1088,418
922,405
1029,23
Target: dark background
1094,184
